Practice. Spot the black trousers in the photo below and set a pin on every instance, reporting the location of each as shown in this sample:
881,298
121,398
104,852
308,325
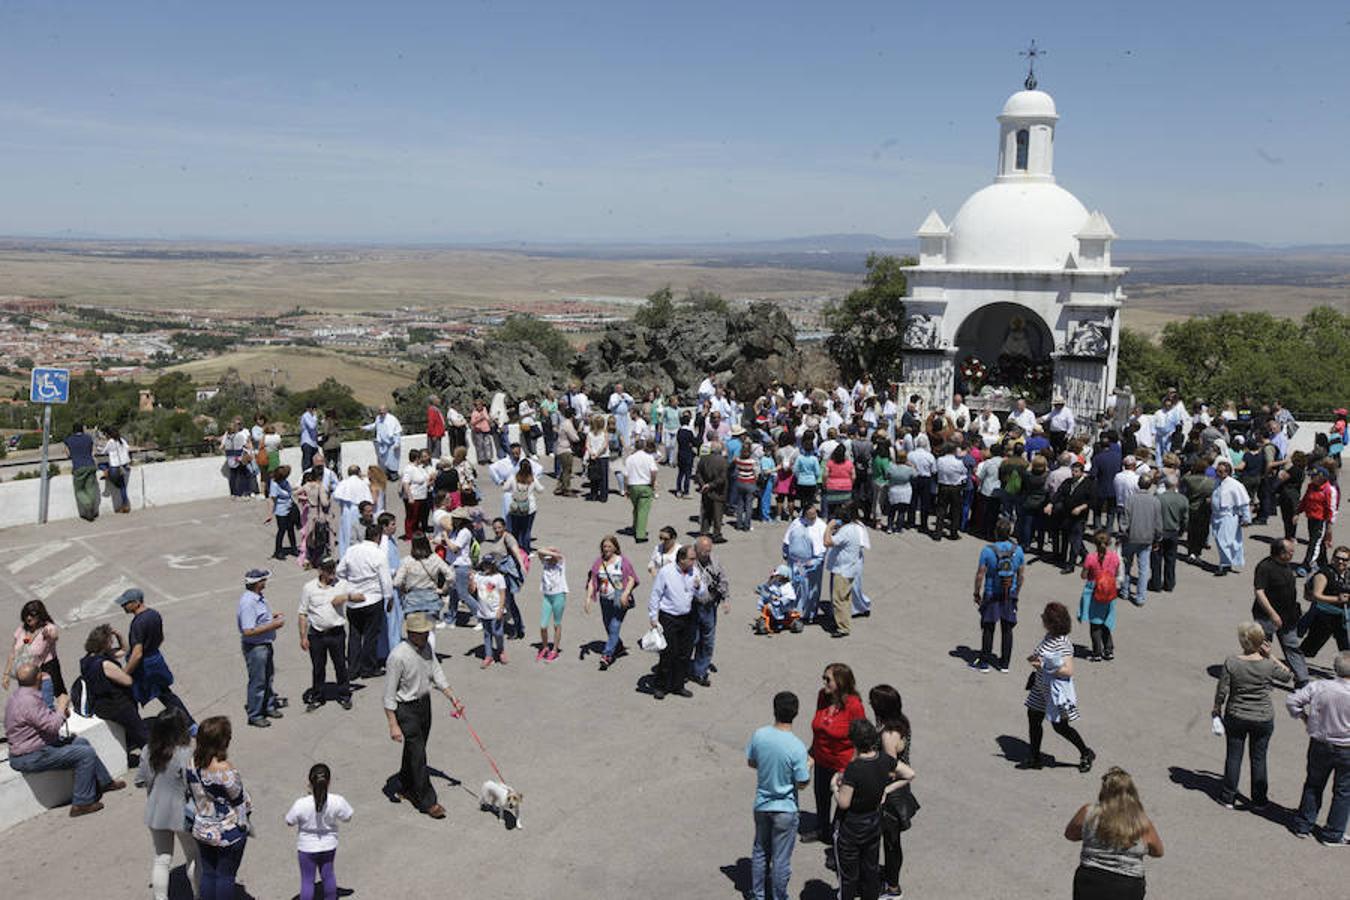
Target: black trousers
1197,529
414,720
893,856
1317,533
286,526
923,500
949,509
1091,883
323,646
126,713
1036,731
857,851
1163,564
824,797
1102,643
673,667
1005,645
1070,541
364,638
1325,626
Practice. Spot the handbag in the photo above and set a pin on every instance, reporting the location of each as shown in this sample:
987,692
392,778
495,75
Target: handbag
900,808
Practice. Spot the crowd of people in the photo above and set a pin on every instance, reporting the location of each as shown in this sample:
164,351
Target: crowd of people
1118,502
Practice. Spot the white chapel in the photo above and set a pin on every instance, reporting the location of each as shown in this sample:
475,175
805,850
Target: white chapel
1017,295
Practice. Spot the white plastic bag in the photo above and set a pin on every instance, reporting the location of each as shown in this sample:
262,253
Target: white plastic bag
1218,726
653,641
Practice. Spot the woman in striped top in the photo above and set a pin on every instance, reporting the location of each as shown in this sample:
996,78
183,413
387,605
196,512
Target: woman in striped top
1051,692
744,490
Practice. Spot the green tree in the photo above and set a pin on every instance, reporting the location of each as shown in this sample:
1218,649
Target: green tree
658,312
176,429
24,362
700,300
867,326
526,329
331,394
174,390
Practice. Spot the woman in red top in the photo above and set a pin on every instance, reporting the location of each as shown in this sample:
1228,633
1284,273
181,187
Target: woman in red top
838,479
837,706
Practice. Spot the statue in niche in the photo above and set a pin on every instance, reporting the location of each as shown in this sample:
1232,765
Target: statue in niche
1088,338
1017,342
921,332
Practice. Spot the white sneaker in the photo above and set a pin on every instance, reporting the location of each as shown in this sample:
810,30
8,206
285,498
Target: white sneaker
441,626
477,626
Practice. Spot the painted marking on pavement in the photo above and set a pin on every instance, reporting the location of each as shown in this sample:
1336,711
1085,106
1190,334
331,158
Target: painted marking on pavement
54,582
101,603
37,555
189,561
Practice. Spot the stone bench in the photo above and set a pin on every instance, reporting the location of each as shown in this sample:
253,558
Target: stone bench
23,796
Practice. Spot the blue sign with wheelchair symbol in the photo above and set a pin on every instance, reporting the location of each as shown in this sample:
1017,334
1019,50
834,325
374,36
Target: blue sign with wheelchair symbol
50,386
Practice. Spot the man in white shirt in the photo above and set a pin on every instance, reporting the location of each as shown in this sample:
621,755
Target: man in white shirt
1165,422
388,438
988,426
957,413
620,407
1022,417
350,493
323,631
366,567
1059,424
1125,484
670,609
707,389
639,472
804,551
951,482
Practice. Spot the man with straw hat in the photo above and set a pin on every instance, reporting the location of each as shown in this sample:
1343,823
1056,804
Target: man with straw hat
411,672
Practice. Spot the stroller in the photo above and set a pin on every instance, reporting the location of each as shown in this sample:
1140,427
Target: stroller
778,605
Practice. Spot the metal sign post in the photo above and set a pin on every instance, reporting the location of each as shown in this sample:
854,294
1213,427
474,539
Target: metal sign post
47,387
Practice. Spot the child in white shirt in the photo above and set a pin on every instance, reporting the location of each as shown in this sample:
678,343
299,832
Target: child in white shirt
489,587
553,581
317,816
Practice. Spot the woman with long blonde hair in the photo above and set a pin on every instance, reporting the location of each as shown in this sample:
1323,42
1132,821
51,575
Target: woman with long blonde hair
379,484
1116,835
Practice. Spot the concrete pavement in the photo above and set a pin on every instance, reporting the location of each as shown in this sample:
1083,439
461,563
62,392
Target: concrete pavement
625,795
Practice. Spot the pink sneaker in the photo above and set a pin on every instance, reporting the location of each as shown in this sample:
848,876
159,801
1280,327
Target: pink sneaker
487,661
542,654
552,655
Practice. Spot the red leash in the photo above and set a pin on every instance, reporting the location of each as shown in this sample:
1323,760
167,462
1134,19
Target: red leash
459,714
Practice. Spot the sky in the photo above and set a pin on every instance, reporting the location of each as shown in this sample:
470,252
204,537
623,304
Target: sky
643,121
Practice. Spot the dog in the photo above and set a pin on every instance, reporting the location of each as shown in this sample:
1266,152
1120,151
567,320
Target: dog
501,798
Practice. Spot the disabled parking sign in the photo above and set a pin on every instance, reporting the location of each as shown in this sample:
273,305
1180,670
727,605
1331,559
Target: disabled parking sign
49,386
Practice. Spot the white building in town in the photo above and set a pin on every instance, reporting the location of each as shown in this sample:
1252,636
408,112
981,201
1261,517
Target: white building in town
1020,280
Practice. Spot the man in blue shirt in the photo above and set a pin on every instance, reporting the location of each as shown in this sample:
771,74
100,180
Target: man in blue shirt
309,434
782,768
83,472
998,582
258,627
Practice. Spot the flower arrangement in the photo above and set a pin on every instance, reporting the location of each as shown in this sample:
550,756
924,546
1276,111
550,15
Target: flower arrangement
974,371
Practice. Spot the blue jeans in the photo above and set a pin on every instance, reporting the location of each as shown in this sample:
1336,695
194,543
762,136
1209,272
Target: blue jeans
742,503
79,754
1324,760
612,613
705,635
494,637
259,698
521,526
460,594
220,865
775,836
1129,553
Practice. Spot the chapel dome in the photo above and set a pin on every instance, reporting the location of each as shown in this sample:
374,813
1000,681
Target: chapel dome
1030,104
1017,225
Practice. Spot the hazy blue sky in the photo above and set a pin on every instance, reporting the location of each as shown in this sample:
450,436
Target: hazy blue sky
640,120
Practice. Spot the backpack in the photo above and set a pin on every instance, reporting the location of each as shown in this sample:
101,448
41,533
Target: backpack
81,704
475,551
520,502
1013,485
1104,588
1005,572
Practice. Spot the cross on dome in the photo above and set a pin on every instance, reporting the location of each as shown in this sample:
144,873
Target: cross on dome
1031,53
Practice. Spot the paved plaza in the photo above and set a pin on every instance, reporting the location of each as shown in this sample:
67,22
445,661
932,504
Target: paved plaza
629,797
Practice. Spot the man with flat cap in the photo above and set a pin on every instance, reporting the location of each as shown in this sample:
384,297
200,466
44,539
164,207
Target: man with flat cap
258,627
323,631
411,671
150,675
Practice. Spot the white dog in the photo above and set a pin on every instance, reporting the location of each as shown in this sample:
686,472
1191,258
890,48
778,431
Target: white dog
500,798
